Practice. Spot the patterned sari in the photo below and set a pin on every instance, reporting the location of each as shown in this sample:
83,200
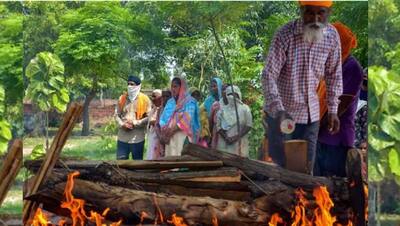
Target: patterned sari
183,113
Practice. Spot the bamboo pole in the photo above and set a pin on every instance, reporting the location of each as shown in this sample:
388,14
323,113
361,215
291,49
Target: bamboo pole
12,165
70,118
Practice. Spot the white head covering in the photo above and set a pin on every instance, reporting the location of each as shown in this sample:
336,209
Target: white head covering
227,113
157,92
233,89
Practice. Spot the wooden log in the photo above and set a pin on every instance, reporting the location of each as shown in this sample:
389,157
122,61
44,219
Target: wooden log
356,186
130,164
70,118
127,204
123,179
269,187
199,189
11,165
272,171
111,172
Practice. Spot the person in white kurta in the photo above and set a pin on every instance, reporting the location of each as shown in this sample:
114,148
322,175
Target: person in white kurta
229,139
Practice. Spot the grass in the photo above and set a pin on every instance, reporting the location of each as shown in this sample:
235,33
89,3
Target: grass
94,147
390,220
12,205
91,148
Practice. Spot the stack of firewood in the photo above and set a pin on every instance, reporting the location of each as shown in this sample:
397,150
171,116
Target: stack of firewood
201,186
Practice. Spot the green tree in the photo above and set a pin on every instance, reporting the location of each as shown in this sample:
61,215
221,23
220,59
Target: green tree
46,88
11,66
5,128
91,45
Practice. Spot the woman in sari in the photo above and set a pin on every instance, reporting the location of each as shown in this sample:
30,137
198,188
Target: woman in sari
180,119
211,104
205,128
215,94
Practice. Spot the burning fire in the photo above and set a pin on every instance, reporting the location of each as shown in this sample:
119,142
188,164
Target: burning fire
39,219
177,221
299,212
275,219
366,203
76,207
322,213
321,217
214,221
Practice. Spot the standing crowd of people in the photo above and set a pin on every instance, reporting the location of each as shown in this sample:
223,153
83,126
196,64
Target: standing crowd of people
175,117
309,77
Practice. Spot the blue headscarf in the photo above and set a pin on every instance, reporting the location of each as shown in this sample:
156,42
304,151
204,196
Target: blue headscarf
211,99
185,104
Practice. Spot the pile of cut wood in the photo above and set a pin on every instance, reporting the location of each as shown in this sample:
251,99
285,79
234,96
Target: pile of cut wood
202,186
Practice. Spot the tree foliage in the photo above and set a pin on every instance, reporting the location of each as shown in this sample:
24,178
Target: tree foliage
384,91
11,82
46,88
101,43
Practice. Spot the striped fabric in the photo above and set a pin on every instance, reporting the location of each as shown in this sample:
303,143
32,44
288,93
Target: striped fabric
294,68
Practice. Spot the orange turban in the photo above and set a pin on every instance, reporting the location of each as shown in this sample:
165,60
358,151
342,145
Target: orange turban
316,3
348,40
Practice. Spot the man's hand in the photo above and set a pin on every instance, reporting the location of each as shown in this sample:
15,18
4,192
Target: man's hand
333,123
128,125
282,115
233,139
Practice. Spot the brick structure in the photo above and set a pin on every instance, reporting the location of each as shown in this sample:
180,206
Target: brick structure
100,112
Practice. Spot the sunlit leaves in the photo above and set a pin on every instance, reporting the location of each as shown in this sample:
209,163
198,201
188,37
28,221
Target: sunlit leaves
46,82
5,129
384,124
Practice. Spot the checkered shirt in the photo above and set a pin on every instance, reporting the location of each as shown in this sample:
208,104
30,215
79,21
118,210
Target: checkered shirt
294,68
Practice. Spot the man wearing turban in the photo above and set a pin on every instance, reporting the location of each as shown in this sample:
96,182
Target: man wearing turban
332,148
132,116
302,52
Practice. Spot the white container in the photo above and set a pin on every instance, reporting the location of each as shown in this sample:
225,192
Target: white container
287,126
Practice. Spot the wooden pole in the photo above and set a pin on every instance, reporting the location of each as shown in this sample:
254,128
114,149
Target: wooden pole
12,165
70,118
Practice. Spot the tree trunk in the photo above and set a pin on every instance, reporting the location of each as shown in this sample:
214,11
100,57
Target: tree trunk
378,203
372,204
47,130
88,99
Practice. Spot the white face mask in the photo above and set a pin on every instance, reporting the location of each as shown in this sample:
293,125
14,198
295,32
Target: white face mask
133,92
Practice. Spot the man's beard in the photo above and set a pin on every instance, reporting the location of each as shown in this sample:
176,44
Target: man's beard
313,32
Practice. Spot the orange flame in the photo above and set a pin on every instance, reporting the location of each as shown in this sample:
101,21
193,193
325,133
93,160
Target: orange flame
39,219
366,201
214,221
177,221
322,213
142,216
76,207
275,219
299,213
78,214
62,222
159,211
